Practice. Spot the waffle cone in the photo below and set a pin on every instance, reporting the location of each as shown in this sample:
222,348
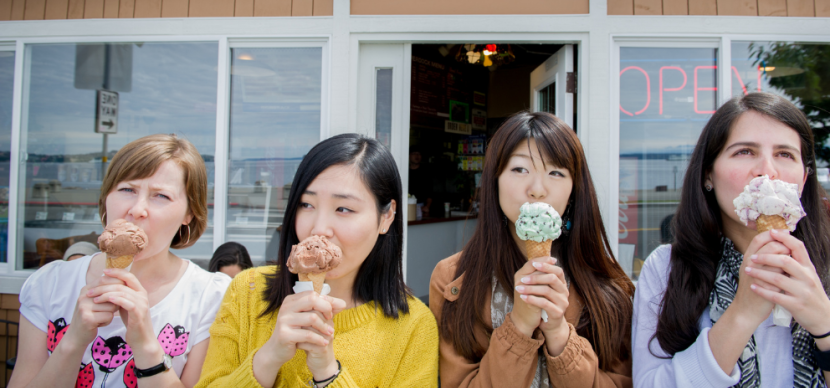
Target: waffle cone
317,278
119,261
765,223
537,249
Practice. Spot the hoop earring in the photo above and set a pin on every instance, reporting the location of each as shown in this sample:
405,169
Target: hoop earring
188,234
102,218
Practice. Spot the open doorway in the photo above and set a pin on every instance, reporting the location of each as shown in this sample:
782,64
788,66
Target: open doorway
460,95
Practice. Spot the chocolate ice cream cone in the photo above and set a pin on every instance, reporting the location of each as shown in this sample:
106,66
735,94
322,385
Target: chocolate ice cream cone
119,261
317,278
537,249
765,223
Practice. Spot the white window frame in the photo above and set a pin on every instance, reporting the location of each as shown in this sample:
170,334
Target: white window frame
12,278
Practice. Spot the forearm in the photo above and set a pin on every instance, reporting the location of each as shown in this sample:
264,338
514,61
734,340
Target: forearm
728,338
265,367
61,369
150,358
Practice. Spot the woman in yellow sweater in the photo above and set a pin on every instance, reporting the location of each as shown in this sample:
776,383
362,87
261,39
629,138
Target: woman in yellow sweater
369,331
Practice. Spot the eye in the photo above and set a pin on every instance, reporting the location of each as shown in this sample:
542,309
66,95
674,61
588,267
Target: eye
163,196
787,155
126,190
305,205
557,174
344,210
744,151
520,170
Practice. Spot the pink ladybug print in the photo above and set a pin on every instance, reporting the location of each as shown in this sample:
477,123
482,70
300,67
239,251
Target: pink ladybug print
86,377
55,333
110,354
130,381
173,340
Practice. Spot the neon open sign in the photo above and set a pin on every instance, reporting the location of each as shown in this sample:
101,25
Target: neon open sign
666,87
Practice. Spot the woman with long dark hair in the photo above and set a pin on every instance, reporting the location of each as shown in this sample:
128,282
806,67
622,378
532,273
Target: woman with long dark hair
702,311
488,298
369,331
230,258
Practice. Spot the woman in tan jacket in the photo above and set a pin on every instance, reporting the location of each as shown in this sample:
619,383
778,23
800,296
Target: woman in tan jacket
488,298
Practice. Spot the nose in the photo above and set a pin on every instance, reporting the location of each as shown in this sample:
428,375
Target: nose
765,166
537,189
322,226
139,208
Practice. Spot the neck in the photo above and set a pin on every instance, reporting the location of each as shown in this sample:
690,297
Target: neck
740,234
343,288
157,269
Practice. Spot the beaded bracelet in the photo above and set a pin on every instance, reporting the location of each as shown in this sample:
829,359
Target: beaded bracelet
317,384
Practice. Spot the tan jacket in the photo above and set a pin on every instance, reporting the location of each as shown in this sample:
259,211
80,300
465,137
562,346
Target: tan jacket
510,360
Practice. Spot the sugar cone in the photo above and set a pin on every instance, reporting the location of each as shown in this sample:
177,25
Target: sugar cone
317,278
765,223
537,249
119,261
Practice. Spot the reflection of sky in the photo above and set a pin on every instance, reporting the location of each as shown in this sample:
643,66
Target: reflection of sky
647,130
745,72
6,95
173,91
275,102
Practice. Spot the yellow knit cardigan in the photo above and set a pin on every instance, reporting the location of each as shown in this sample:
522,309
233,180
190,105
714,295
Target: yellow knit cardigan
373,349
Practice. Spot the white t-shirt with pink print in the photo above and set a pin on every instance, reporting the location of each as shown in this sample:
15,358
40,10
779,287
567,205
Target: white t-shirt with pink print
181,320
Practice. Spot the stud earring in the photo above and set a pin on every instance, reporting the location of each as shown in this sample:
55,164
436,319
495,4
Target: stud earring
708,187
384,230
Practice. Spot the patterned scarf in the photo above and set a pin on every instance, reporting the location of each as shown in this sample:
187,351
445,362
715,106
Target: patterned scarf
806,371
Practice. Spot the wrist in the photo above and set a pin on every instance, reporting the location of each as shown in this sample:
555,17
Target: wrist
330,376
521,326
148,356
557,339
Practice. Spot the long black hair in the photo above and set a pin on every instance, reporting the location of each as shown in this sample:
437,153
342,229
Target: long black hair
380,277
585,253
697,226
230,253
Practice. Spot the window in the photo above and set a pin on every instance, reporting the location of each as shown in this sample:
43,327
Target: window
275,117
6,86
162,88
666,97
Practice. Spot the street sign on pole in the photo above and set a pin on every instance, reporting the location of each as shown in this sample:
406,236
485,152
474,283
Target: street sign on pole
106,114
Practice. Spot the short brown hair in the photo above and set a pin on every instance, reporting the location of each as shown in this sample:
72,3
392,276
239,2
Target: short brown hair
142,157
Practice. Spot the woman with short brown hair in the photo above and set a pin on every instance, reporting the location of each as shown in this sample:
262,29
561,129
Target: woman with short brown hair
124,326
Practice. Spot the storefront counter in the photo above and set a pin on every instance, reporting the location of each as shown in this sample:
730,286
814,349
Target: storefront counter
430,241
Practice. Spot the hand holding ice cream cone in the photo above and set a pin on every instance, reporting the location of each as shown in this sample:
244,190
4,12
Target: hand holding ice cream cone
121,241
772,204
538,225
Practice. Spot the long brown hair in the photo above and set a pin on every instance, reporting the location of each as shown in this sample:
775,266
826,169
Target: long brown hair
585,253
697,225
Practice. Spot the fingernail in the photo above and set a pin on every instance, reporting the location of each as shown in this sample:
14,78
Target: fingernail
748,269
773,231
525,280
107,270
520,288
752,286
537,265
552,260
753,257
524,297
331,330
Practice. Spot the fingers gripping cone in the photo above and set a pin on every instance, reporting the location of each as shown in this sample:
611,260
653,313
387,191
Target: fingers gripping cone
537,249
765,223
317,278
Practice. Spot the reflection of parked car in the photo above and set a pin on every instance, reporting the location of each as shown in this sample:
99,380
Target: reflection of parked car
53,249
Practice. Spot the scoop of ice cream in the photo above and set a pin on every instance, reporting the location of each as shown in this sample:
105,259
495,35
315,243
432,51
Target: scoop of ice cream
315,254
771,197
538,222
122,238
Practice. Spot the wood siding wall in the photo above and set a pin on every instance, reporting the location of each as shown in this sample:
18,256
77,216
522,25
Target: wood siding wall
96,9
9,307
803,8
469,7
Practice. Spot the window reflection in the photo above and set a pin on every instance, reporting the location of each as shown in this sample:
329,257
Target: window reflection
6,90
666,97
274,122
171,89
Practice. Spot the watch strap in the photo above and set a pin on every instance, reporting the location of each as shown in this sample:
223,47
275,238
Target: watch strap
156,369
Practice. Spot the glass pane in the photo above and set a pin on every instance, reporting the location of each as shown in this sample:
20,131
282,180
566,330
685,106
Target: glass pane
274,122
796,71
547,99
666,97
162,88
383,106
6,86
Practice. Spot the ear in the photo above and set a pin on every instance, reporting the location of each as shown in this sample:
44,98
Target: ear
188,218
387,218
708,180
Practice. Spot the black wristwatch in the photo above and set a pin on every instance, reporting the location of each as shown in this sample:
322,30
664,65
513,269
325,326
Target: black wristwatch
166,364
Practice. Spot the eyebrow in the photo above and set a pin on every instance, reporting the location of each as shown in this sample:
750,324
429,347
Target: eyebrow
525,156
756,145
336,195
